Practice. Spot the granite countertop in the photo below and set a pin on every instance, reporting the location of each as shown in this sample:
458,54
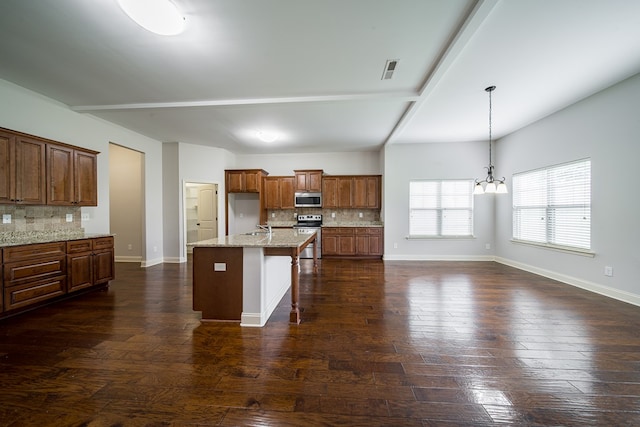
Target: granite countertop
279,238
18,238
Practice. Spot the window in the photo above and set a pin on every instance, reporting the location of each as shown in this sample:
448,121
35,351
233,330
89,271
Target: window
552,206
441,208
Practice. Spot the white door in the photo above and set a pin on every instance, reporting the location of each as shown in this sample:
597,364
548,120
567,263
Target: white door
207,212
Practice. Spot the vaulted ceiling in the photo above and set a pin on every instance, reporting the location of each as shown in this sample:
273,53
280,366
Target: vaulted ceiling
311,70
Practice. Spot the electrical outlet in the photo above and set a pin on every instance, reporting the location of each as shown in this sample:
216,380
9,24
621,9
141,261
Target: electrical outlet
333,214
129,246
273,214
69,217
487,246
608,271
6,218
395,246
360,215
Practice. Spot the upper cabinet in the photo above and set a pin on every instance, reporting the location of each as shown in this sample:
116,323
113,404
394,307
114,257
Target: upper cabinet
308,180
351,191
279,193
38,171
22,168
71,176
244,181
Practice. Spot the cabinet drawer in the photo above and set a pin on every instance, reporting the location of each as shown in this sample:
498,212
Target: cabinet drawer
16,273
338,231
40,250
79,246
100,243
370,231
31,293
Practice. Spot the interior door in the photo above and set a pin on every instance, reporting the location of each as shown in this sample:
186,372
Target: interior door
207,212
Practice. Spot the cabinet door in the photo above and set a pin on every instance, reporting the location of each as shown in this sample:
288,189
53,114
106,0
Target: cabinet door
301,181
235,181
344,192
79,271
7,168
314,181
252,182
329,245
329,192
60,175
272,193
103,266
30,171
366,192
103,260
346,245
287,193
86,178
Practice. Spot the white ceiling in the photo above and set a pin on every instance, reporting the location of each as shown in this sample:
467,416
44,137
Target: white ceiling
311,69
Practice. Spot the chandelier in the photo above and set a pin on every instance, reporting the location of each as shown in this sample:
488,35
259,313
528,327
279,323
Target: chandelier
490,181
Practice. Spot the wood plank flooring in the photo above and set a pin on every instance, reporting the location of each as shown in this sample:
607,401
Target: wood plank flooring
381,344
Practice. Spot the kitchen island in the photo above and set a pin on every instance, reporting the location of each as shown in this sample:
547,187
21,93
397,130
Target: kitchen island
244,276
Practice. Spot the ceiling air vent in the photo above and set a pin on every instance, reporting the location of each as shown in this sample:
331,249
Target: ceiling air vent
389,68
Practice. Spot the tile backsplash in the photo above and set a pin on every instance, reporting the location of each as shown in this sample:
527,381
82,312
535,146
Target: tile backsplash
37,218
345,216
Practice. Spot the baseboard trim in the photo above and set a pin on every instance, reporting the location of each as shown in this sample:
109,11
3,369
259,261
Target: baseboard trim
597,288
128,259
413,257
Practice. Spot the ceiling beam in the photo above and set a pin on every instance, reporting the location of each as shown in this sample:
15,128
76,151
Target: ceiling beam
402,96
469,24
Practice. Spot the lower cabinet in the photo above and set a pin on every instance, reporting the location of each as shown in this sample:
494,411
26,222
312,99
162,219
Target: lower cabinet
34,274
89,262
358,242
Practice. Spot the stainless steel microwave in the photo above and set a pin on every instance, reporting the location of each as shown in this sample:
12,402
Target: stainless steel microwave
308,200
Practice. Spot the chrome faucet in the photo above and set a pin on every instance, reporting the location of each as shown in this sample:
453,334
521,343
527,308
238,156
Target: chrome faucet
267,228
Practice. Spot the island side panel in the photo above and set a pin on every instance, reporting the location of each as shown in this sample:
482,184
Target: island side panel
217,282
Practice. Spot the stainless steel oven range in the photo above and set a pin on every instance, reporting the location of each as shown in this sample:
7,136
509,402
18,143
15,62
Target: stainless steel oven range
308,224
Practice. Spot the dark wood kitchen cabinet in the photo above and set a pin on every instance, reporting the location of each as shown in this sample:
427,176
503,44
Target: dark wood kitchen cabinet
38,274
89,262
308,180
279,193
336,191
33,274
351,191
244,180
353,242
22,169
71,176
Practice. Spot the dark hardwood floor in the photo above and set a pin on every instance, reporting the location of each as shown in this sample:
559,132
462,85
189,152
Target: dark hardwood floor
393,344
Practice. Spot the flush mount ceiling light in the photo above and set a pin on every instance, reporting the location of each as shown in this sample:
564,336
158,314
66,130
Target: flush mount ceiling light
158,16
266,136
490,181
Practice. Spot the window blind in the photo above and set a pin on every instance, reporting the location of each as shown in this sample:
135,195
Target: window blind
441,208
553,205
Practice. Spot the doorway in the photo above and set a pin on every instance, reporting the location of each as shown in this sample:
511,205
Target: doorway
201,212
126,202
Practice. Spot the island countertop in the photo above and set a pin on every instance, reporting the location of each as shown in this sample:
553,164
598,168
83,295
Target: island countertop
279,238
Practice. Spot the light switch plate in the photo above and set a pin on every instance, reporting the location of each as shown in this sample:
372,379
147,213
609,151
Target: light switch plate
6,218
85,216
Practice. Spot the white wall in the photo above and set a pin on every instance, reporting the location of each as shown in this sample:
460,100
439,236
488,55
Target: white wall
28,112
406,162
347,163
604,127
190,163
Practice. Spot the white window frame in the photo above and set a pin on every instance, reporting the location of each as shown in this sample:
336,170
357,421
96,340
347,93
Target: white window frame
441,207
572,180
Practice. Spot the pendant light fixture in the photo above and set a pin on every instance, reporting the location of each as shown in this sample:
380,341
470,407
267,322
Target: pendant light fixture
490,181
158,16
